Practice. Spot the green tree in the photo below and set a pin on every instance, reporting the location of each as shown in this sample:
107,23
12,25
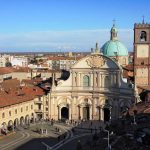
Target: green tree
8,64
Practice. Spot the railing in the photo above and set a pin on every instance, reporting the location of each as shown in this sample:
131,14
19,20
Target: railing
38,102
96,89
38,111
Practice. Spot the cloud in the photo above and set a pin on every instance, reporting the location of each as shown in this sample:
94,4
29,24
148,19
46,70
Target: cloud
76,40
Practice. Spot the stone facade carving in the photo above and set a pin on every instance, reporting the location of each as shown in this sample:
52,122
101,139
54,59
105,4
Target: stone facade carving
95,61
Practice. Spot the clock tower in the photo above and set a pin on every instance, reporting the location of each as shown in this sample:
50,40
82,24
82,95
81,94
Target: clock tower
142,54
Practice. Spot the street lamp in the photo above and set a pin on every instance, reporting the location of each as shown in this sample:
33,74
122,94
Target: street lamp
134,122
109,146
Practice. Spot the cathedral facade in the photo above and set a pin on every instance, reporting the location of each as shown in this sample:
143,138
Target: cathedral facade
94,90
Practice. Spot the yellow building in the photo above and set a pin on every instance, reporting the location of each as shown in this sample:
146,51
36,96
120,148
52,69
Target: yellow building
21,105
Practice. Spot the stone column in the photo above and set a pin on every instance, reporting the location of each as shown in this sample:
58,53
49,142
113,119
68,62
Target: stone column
74,111
73,78
118,79
70,112
101,113
53,107
91,113
102,81
93,108
94,79
79,115
81,79
91,79
78,80
81,112
49,105
114,80
98,80
111,80
59,112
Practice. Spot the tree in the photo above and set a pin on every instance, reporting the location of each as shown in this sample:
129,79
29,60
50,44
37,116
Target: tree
8,64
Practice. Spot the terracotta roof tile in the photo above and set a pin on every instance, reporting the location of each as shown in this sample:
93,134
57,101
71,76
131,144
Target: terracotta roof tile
18,94
64,58
6,70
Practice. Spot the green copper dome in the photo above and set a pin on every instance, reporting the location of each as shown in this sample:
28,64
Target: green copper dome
113,48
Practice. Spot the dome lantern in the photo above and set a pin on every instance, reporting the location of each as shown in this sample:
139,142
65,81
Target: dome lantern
114,46
113,32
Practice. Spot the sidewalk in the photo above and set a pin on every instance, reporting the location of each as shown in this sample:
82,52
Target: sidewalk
2,136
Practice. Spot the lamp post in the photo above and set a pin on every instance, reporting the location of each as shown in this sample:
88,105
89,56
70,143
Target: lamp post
109,146
134,122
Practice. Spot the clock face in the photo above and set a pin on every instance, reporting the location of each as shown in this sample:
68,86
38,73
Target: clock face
142,51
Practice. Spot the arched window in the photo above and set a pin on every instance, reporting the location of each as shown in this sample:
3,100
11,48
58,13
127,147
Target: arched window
86,80
9,113
3,115
143,36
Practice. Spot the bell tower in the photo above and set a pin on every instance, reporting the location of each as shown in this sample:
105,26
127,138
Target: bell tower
142,53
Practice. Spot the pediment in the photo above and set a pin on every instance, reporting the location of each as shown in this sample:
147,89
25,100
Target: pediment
95,62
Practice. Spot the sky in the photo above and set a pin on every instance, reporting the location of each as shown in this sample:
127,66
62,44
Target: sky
67,25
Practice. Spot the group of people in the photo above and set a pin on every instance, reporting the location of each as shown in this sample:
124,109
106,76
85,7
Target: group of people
57,129
4,131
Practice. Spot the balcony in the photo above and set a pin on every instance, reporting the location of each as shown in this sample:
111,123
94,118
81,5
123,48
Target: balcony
38,110
38,102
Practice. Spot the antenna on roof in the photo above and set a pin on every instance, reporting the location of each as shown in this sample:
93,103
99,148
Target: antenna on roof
143,21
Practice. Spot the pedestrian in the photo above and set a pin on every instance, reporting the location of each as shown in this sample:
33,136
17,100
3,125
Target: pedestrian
58,138
56,129
73,130
64,136
100,128
79,146
95,129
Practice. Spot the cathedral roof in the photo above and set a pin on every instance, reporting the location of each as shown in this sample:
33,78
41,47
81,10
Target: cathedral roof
114,47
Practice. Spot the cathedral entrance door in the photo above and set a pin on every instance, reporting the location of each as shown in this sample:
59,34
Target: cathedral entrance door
86,113
64,113
106,114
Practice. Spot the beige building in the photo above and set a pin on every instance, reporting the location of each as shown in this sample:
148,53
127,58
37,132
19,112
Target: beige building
94,90
20,105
